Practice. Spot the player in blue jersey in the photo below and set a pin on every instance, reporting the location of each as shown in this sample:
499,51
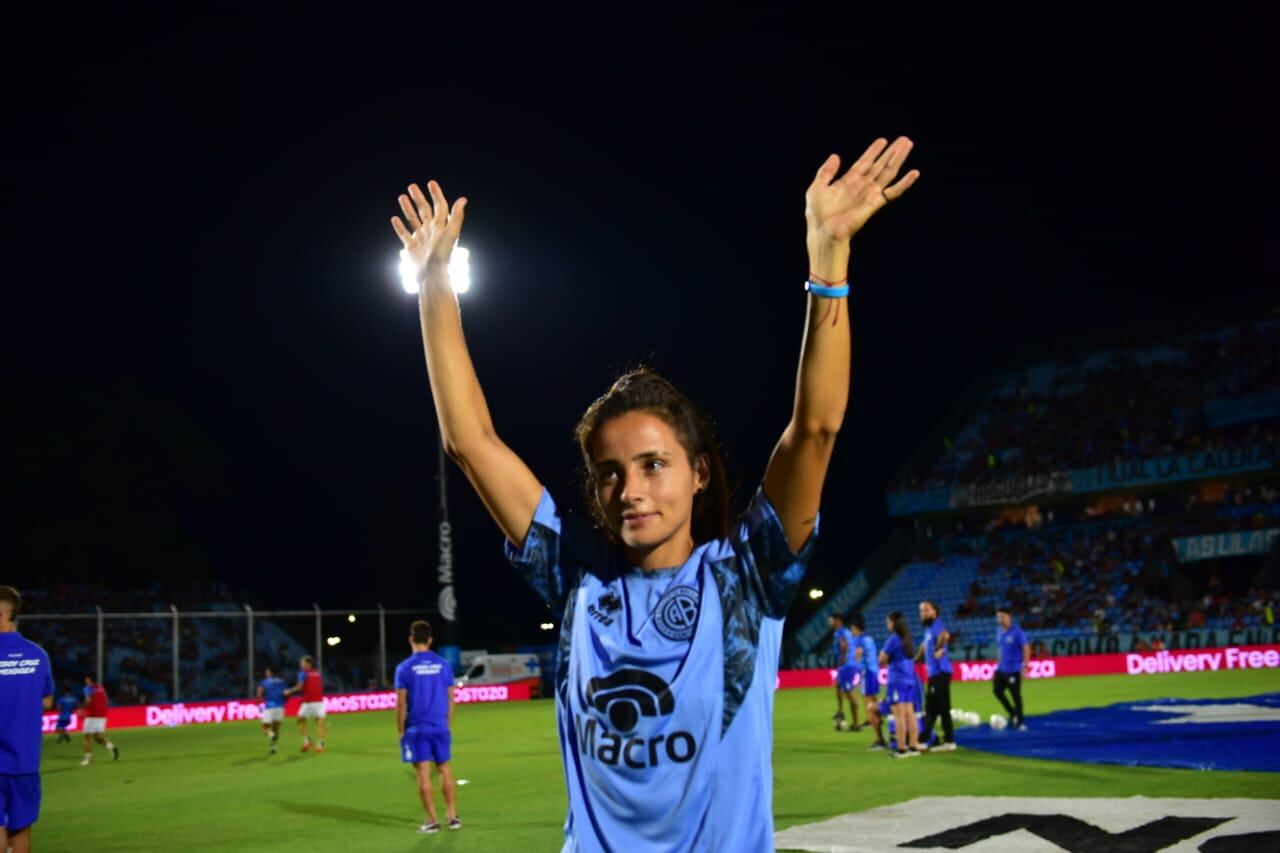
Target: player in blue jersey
26,692
424,719
670,615
937,661
271,694
866,659
1011,668
847,672
67,705
902,690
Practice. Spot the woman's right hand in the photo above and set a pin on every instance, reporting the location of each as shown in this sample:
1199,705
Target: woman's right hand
429,230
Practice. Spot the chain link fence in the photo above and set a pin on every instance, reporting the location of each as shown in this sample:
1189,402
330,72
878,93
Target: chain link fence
219,653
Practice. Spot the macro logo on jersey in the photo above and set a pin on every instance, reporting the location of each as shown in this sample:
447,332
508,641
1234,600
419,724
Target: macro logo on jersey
624,698
676,615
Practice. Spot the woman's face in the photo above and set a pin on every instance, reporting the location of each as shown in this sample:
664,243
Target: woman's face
645,485
888,623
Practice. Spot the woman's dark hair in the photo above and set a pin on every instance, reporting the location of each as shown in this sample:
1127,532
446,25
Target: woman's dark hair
900,627
643,390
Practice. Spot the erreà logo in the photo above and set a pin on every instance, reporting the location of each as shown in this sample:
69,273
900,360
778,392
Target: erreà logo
624,698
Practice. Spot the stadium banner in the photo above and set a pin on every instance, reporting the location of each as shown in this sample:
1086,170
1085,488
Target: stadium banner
1012,491
1173,469
1071,643
1234,543
1125,473
914,503
1242,410
237,710
1134,663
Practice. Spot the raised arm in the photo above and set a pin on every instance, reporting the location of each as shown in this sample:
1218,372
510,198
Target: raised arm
505,484
835,209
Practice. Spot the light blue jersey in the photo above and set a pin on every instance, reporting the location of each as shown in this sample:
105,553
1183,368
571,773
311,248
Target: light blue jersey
845,659
272,692
664,682
868,660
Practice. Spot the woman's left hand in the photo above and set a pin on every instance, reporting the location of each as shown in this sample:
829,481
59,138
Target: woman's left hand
837,208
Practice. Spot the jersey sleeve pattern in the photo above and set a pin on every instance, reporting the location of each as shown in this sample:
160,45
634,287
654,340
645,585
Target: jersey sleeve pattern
757,579
558,552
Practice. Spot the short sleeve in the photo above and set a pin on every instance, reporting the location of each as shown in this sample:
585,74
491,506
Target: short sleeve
401,681
773,571
555,553
48,676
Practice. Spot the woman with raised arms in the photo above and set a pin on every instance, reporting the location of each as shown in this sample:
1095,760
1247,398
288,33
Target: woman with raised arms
671,614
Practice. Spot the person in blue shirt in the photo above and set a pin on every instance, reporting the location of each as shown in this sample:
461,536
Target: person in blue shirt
271,694
1011,668
26,692
424,718
903,688
847,672
670,616
866,659
67,705
937,661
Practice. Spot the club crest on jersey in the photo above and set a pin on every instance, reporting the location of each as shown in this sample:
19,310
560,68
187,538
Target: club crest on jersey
676,615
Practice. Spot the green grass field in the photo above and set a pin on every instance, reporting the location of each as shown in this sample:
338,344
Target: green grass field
216,788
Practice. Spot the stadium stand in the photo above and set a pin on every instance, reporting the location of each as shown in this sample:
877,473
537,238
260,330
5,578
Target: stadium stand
1166,539
138,665
1136,402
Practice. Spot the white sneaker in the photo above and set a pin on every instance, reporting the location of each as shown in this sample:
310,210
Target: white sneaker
86,761
943,747
430,827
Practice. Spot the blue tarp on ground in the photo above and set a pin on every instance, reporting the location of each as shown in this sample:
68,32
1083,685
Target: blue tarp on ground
1201,734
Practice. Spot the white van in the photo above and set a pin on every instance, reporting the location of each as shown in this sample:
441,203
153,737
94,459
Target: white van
503,669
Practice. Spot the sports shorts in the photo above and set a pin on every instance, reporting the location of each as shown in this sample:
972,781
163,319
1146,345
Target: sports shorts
870,683
311,711
426,746
898,693
19,800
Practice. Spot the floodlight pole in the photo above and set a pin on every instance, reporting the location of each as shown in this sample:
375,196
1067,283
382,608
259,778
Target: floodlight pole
447,600
248,612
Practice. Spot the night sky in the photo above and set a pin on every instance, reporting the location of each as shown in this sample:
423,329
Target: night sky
211,370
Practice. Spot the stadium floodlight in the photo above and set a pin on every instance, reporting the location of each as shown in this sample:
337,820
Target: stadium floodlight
547,626
459,271
333,641
351,617
815,593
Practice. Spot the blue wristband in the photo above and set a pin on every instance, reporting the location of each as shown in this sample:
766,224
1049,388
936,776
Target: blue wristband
816,289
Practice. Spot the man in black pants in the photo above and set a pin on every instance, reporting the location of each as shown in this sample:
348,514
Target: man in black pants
937,662
1015,657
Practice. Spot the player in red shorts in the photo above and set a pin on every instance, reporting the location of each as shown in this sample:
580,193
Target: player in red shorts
94,712
311,686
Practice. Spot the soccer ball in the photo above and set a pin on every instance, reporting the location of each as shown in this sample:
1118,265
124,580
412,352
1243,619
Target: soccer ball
998,722
842,726
973,718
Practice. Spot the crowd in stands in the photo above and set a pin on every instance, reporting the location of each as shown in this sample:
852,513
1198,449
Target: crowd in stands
138,650
1117,572
1119,404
